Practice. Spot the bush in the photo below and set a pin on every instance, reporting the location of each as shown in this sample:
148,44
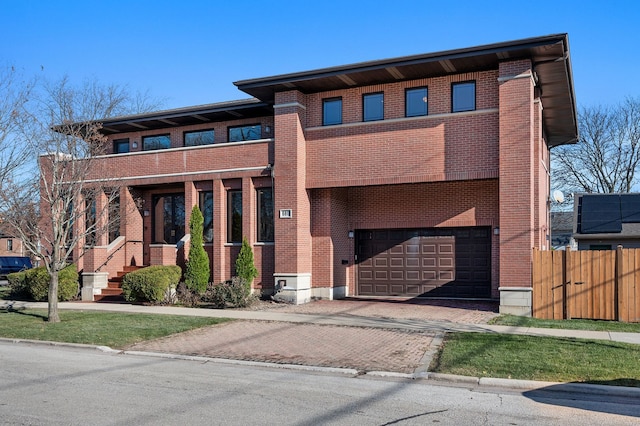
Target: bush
187,297
34,284
18,285
152,284
245,268
234,292
196,276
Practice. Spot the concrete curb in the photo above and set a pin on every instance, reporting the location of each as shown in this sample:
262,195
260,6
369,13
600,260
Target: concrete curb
523,385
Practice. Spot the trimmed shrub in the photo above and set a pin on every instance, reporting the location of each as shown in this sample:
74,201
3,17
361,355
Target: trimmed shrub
234,292
196,276
152,284
245,268
18,285
37,283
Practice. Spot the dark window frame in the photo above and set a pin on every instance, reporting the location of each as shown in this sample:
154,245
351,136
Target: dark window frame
207,228
364,106
325,103
234,229
453,97
265,216
145,138
407,91
230,128
118,143
191,132
177,206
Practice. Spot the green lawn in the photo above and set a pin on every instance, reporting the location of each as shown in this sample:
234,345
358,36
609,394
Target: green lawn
112,329
574,324
539,358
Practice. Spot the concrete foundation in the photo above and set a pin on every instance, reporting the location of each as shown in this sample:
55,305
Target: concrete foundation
293,288
516,301
92,284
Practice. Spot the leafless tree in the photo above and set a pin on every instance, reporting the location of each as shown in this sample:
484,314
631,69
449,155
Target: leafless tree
607,157
63,126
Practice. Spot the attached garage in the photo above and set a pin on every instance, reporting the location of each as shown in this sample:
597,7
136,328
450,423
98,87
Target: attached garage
431,262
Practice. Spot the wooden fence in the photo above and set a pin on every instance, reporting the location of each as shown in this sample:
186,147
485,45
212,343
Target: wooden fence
599,284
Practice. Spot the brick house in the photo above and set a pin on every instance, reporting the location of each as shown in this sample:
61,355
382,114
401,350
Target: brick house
425,175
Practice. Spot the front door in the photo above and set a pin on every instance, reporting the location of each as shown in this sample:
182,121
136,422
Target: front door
168,218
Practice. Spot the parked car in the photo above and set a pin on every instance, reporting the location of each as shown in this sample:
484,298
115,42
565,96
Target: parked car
9,264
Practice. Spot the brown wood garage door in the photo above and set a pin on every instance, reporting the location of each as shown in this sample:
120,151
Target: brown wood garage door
433,262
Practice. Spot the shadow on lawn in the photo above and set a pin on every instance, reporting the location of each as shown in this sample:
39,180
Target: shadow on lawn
20,310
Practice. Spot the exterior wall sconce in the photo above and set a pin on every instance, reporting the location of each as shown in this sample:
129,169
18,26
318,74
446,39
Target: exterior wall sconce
134,144
350,234
146,213
496,231
267,129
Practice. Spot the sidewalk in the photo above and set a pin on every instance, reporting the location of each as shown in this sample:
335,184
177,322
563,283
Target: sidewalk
375,337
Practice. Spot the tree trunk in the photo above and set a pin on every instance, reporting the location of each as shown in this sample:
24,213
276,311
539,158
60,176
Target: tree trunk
53,298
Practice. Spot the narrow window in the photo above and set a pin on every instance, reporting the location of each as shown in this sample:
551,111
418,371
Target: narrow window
234,216
331,111
121,146
205,203
114,216
416,102
245,133
463,96
9,245
200,137
265,214
150,143
373,107
90,221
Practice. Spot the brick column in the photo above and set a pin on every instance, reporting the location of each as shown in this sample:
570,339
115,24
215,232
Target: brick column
219,232
293,249
517,186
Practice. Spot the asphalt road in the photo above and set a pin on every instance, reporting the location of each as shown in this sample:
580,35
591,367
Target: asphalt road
49,385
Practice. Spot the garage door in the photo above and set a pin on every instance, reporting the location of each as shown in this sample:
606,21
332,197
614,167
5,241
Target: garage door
433,262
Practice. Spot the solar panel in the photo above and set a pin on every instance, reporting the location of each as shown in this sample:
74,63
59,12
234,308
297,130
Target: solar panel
600,214
630,206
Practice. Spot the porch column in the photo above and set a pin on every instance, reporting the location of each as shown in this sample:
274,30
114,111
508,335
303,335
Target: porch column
219,232
293,248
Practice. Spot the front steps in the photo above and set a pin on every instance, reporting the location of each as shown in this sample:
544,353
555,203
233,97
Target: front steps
113,291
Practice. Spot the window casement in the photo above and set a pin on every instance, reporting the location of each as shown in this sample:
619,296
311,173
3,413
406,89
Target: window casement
331,111
234,216
244,133
265,215
205,203
150,143
121,146
373,106
416,101
463,96
9,245
199,137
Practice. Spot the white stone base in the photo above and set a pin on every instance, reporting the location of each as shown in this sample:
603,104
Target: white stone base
516,301
329,293
92,284
293,288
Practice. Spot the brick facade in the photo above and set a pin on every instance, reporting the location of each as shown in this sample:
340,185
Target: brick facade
484,167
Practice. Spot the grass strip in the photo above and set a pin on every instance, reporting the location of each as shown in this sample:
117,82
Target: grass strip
539,358
573,324
112,329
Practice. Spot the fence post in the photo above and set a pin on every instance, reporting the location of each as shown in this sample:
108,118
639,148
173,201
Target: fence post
618,282
566,313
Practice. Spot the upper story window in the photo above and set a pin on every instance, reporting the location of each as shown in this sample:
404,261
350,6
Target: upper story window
245,133
156,142
373,107
416,102
199,137
9,245
463,96
120,146
331,111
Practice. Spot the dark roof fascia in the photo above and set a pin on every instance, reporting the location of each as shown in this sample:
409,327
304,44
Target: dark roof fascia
186,111
401,61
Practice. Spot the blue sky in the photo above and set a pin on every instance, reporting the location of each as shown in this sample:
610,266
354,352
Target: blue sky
191,52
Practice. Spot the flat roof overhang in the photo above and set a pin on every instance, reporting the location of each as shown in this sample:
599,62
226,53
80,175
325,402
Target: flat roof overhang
201,114
549,55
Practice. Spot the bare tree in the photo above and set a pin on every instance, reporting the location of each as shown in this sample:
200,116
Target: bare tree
75,204
607,157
